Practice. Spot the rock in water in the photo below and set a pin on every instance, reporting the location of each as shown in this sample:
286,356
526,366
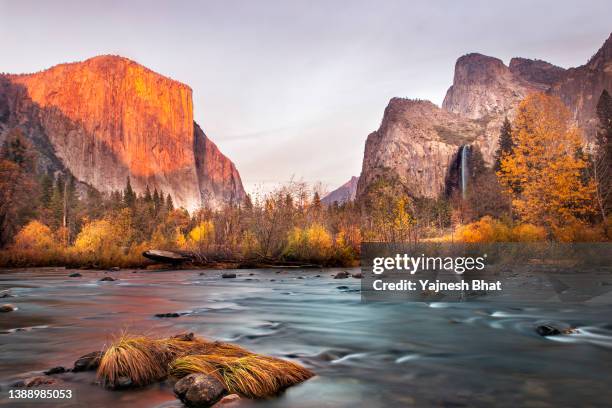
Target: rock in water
547,330
167,315
75,275
341,275
89,361
228,401
199,390
35,382
358,275
55,370
7,308
107,279
228,275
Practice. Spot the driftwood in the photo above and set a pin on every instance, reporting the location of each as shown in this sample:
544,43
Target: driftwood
167,256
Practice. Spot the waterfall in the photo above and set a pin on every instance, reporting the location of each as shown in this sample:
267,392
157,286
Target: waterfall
465,171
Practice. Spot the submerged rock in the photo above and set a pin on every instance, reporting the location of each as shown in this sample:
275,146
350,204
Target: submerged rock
199,390
342,275
547,330
5,293
89,361
228,275
342,287
5,308
35,382
55,370
75,275
107,279
228,401
358,275
167,315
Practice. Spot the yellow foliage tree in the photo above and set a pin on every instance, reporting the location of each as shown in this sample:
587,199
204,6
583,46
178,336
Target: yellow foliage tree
311,244
545,170
98,240
35,236
202,235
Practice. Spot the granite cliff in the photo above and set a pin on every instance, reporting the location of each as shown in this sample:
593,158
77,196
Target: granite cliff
109,118
417,142
342,194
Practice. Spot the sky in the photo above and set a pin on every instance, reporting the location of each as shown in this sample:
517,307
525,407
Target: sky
289,90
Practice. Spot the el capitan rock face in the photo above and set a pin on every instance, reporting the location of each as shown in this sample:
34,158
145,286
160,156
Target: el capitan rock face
108,118
417,141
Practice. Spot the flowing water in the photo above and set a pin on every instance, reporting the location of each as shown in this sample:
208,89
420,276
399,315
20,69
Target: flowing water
364,354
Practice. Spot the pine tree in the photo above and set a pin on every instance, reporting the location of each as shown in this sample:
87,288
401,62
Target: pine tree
602,163
129,197
148,198
46,186
169,203
505,143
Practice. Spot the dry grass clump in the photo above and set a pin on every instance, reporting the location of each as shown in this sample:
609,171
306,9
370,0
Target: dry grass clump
140,359
253,376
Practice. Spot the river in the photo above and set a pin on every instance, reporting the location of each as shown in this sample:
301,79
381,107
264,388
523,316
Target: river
363,354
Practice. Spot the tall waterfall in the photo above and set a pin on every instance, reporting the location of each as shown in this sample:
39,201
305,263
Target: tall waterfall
465,171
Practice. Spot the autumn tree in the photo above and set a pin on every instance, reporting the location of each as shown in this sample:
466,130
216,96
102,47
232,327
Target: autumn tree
18,186
543,172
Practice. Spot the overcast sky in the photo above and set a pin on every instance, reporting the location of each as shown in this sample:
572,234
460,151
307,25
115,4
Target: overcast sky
292,88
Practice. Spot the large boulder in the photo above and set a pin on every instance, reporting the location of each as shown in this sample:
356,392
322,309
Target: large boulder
89,361
199,390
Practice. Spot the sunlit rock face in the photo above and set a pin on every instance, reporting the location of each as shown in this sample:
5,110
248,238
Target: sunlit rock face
415,145
417,141
108,118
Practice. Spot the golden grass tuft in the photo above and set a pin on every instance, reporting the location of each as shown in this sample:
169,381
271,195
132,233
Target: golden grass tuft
253,376
144,360
140,359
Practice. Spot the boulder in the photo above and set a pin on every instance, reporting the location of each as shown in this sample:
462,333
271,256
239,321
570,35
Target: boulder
5,308
55,370
199,390
107,279
358,275
341,275
87,362
75,275
228,275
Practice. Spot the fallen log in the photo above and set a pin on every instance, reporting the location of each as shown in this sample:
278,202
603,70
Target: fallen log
159,255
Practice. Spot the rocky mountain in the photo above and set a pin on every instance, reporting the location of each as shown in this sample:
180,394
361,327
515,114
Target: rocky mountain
108,118
342,194
417,143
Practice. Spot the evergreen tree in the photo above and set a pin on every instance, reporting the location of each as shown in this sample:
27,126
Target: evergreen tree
157,201
602,163
148,198
129,197
46,186
505,143
169,203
